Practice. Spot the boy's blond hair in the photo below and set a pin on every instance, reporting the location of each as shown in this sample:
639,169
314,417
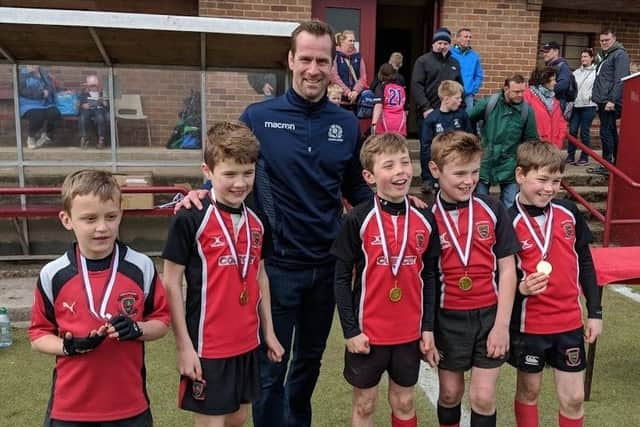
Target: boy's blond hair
449,88
455,144
534,155
90,181
334,89
383,143
230,141
396,60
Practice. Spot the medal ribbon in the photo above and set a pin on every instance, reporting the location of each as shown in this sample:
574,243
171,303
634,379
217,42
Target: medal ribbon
395,267
464,256
543,246
232,247
82,265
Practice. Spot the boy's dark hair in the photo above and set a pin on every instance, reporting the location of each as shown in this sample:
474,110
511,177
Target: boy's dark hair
540,76
534,155
382,143
457,143
449,88
515,78
386,72
90,181
588,51
316,28
608,31
230,140
461,30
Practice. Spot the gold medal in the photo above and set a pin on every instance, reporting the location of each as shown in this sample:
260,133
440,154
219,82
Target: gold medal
465,283
395,294
544,267
244,297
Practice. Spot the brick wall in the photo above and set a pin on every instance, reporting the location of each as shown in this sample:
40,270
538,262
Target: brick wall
7,123
505,34
228,94
277,10
624,24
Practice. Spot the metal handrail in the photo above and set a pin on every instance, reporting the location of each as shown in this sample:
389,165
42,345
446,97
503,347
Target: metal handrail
606,218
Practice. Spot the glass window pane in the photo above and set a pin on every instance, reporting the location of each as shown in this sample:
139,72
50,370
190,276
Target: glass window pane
344,19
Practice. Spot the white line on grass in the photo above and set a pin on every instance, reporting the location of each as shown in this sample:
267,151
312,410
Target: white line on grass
625,291
428,382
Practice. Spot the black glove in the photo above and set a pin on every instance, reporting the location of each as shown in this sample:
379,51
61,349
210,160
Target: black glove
74,346
126,328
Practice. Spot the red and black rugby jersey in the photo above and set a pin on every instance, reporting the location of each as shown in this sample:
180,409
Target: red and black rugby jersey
107,383
493,238
218,325
367,307
558,308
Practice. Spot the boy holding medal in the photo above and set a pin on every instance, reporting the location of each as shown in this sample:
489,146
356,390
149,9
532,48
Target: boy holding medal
93,309
555,265
478,280
219,250
387,318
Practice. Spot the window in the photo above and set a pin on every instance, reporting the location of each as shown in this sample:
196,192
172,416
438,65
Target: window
570,45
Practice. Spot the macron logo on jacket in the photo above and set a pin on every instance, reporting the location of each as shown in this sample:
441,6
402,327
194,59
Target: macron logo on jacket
280,125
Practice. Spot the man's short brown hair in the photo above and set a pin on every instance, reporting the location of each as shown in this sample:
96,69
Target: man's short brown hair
448,145
515,78
90,181
382,143
534,155
230,141
449,88
314,27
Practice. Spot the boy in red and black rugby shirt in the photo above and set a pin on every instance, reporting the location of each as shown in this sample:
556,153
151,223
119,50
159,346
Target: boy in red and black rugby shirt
93,309
387,319
219,250
477,281
555,266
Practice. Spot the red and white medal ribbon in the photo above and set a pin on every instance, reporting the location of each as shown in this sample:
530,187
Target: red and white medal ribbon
82,265
230,242
543,246
464,256
395,266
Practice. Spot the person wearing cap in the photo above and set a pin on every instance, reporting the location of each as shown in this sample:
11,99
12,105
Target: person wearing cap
470,66
551,55
92,106
429,71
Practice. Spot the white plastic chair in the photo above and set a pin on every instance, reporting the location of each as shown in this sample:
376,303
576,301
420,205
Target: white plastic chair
129,107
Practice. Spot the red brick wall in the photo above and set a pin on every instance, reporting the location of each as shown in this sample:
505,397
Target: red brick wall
7,123
626,26
505,34
228,94
277,10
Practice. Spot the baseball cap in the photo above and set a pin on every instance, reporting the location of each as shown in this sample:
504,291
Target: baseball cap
549,45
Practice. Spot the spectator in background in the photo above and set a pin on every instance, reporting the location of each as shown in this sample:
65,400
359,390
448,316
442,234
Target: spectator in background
389,113
612,66
94,106
334,93
584,109
348,70
550,120
36,90
470,66
396,62
551,55
263,83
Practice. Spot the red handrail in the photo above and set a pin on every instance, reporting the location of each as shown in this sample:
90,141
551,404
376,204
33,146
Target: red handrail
606,219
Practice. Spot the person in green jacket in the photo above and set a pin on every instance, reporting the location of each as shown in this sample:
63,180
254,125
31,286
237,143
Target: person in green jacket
505,127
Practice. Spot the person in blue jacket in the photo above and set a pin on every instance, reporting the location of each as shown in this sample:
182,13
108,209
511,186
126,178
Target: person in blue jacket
309,159
551,55
470,66
36,90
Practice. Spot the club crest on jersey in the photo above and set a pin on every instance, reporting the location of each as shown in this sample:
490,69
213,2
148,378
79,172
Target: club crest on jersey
255,239
376,240
567,228
526,244
335,133
218,241
127,301
420,240
444,243
573,357
483,230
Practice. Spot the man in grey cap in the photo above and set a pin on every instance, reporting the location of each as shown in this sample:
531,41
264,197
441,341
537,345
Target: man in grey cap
429,71
551,55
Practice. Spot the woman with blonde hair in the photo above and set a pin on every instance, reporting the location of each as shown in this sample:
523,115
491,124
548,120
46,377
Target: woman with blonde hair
348,71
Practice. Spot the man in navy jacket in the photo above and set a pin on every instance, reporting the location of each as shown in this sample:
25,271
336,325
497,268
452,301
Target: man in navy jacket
551,55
